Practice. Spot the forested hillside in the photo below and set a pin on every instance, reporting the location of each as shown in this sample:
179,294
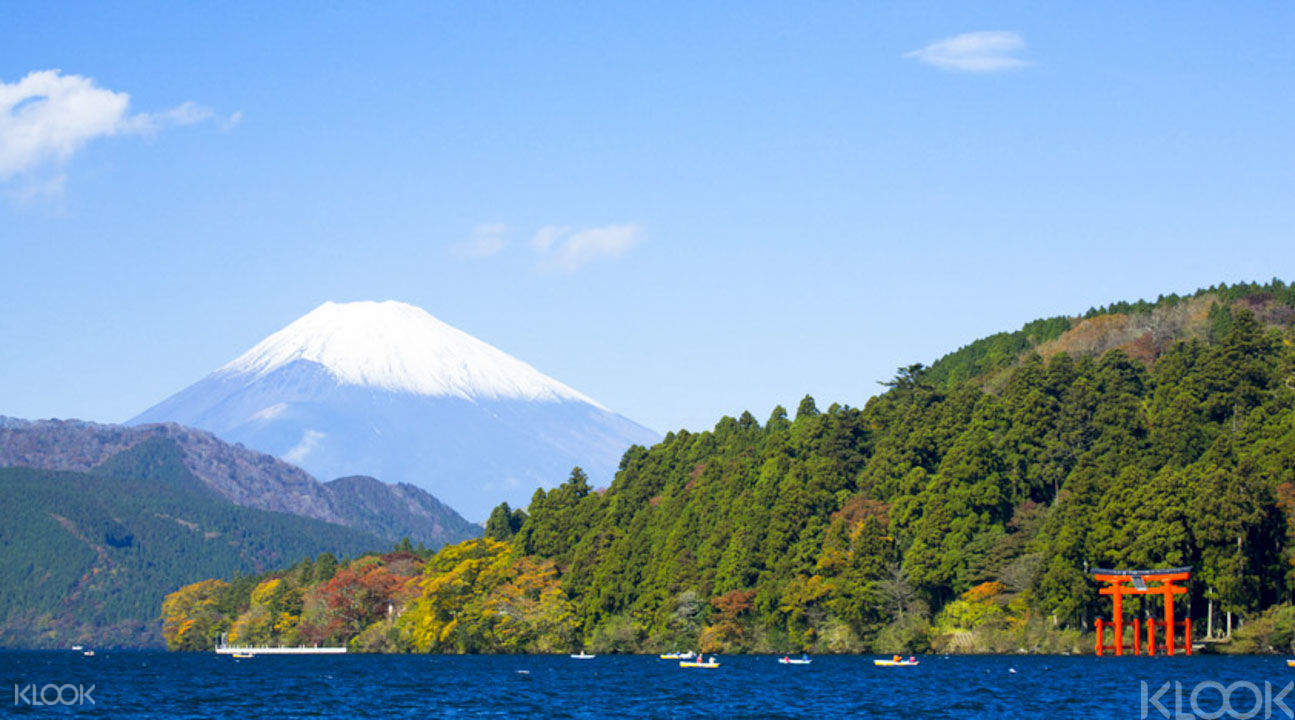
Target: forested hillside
88,557
960,509
243,476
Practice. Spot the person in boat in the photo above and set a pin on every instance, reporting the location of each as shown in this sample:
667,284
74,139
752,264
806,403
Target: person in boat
912,659
895,659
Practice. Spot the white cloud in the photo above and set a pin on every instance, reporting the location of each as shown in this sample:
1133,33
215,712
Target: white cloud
987,51
544,238
46,117
184,114
565,250
487,239
234,119
558,247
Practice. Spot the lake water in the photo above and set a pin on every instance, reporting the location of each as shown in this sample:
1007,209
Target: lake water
140,684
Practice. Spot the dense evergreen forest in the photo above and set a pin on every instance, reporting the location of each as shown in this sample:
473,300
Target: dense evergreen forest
959,510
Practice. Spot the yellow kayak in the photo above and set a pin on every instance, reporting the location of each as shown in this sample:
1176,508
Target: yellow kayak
894,663
695,664
1290,663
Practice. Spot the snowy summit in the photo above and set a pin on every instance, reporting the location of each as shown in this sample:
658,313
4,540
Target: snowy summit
402,348
386,390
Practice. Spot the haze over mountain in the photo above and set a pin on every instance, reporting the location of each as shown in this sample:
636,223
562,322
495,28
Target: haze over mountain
385,389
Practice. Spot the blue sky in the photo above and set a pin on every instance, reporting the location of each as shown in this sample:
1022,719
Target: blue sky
744,202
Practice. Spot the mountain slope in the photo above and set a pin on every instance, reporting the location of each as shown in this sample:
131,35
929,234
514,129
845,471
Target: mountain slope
1142,329
245,477
396,511
387,390
88,556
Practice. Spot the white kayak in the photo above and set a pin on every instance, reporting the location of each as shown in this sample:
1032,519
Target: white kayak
582,656
794,661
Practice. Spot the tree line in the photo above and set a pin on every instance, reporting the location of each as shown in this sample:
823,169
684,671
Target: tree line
951,515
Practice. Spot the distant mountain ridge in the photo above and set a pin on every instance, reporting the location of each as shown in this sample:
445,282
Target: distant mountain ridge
386,390
88,556
244,477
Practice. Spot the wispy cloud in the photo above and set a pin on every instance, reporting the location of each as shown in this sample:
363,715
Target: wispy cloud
980,52
544,238
560,248
188,113
487,239
230,122
563,249
46,117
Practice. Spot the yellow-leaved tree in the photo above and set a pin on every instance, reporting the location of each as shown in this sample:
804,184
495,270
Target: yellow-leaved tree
191,618
481,595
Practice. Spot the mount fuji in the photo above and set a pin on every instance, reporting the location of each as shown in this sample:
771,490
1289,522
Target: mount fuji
385,389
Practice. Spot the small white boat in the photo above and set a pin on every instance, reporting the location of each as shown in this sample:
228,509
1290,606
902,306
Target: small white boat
679,655
243,655
582,655
88,653
802,660
710,664
78,648
896,662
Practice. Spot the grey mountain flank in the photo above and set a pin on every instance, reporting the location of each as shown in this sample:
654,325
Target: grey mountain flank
244,477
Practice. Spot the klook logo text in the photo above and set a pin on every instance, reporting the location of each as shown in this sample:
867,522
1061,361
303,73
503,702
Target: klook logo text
1211,700
53,694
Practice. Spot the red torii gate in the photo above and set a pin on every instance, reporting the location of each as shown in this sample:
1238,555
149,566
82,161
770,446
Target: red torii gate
1134,582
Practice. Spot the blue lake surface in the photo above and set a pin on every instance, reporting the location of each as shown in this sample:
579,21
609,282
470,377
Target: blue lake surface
143,684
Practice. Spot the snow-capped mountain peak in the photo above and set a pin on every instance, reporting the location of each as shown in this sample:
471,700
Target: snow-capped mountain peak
400,348
386,390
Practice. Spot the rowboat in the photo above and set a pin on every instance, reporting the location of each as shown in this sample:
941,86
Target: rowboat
895,663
